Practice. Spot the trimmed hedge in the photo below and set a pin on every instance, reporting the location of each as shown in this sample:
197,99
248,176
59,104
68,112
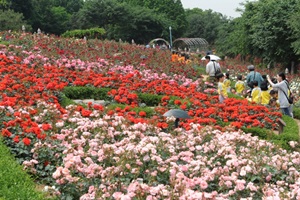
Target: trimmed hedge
90,33
87,92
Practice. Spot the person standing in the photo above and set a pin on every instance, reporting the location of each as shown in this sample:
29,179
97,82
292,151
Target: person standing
211,68
227,82
221,87
240,85
253,75
256,93
282,88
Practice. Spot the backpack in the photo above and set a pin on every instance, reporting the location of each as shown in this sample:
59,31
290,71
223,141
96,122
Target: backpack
250,84
217,70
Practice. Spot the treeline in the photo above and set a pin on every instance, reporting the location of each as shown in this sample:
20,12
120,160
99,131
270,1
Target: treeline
267,29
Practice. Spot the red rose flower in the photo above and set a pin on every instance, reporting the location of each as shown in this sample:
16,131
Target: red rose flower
26,141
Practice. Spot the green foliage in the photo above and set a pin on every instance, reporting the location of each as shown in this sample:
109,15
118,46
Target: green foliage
10,20
230,95
14,182
257,131
204,24
149,99
64,100
290,133
172,10
149,111
86,93
89,33
296,112
59,20
266,29
122,21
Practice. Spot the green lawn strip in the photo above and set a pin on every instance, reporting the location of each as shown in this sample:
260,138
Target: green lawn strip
15,183
290,133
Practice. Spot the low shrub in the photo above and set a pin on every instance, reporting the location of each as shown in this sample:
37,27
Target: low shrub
90,33
290,133
149,99
296,112
78,92
257,131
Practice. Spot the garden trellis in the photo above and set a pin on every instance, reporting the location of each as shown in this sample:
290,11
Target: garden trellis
191,44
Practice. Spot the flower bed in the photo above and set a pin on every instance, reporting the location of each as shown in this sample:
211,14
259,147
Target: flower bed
94,152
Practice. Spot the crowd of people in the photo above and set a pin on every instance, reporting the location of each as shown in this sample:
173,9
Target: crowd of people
180,57
261,89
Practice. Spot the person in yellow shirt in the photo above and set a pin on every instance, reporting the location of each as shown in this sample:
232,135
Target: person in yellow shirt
227,82
265,93
240,85
181,58
256,93
221,87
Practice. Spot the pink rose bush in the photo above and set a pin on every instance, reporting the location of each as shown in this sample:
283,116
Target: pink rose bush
99,158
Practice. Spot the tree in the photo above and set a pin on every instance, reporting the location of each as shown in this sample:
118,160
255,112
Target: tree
140,24
58,20
204,24
71,6
121,20
172,9
10,20
266,24
294,24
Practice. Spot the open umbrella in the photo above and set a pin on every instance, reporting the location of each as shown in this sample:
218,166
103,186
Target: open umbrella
212,57
177,113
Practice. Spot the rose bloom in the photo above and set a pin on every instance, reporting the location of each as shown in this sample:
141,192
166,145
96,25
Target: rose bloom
26,141
203,185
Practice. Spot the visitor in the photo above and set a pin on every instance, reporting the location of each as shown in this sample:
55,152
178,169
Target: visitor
181,58
174,57
256,93
272,103
265,94
211,68
282,88
253,75
240,85
227,82
221,88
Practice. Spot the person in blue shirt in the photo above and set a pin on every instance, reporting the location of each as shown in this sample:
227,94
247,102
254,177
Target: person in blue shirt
253,75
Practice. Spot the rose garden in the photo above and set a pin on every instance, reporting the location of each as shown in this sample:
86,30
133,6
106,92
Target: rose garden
124,148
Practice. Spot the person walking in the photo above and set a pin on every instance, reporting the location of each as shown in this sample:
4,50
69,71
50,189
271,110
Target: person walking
282,88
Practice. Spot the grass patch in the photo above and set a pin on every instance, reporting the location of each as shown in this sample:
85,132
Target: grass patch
14,182
290,133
